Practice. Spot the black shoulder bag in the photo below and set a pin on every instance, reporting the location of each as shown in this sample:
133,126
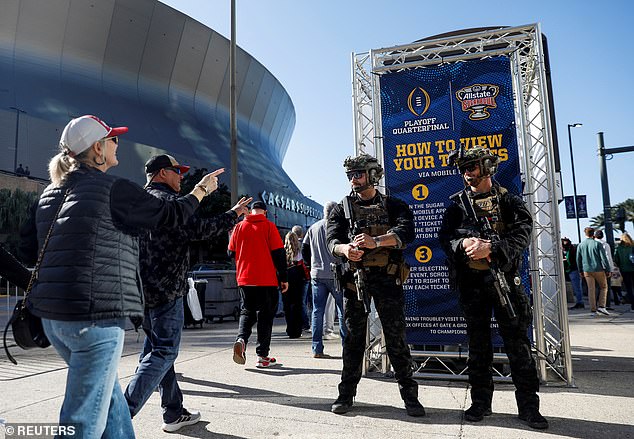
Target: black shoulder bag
27,329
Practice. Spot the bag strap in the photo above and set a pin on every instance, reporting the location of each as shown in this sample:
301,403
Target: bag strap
41,255
33,277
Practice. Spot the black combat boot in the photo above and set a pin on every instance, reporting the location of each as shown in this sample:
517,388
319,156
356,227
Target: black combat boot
412,405
342,405
477,412
533,418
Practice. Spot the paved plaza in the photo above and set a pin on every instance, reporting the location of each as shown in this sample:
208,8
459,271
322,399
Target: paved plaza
293,400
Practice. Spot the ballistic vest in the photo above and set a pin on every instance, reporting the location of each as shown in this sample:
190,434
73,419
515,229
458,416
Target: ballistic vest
488,206
374,221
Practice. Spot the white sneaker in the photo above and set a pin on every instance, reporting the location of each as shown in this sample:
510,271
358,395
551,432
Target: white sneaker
330,336
186,418
603,311
239,352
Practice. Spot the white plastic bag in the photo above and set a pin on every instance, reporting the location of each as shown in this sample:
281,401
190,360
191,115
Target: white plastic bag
192,301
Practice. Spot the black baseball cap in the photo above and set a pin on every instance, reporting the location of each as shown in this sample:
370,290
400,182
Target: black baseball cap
158,162
258,205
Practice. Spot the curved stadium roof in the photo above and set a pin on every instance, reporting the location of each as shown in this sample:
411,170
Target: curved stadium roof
141,64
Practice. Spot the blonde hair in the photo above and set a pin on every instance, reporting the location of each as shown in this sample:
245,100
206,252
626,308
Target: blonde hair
626,240
63,164
291,245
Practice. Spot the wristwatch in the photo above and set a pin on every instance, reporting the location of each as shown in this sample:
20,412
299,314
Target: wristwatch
204,189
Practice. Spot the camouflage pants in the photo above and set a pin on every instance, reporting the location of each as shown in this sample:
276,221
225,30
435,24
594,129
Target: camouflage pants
478,298
389,300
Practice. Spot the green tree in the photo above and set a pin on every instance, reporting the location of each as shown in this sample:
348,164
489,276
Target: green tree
628,205
15,209
213,205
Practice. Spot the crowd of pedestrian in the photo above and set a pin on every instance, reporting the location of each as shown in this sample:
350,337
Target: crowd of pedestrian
108,250
608,273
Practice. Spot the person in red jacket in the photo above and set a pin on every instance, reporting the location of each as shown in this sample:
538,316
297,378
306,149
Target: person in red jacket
260,271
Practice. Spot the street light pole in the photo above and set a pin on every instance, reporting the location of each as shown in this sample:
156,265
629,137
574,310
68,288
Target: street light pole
17,133
233,105
605,187
574,182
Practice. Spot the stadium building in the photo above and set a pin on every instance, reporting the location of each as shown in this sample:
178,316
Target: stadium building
142,64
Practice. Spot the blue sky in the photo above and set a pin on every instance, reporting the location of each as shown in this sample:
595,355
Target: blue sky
307,46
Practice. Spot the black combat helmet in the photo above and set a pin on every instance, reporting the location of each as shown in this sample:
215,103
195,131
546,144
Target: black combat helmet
365,162
483,157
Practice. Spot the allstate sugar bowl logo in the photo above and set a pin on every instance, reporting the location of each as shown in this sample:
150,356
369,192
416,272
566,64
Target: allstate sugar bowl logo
418,101
478,98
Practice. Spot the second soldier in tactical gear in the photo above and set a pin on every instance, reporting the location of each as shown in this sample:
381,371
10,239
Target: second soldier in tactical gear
370,230
469,259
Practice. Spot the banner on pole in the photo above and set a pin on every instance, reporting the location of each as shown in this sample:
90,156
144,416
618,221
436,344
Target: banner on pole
582,207
426,114
570,207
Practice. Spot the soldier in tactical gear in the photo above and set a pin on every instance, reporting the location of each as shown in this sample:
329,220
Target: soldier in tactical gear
371,239
468,258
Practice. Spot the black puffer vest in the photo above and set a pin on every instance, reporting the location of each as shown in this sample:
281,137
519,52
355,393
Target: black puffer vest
90,269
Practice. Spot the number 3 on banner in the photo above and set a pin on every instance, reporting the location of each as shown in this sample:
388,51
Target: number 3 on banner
423,254
420,192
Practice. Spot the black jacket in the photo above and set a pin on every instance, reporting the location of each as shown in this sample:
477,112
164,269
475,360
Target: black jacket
165,251
507,251
400,219
90,268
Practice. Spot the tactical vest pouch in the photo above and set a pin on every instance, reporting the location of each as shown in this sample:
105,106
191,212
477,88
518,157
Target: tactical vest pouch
393,269
376,258
488,207
405,268
479,264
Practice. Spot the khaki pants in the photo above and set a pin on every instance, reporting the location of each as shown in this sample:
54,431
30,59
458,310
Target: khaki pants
599,277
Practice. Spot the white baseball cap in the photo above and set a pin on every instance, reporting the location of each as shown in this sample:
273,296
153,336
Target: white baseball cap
80,133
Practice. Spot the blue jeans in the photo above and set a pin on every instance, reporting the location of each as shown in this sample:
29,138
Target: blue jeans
575,280
163,326
93,400
321,289
306,301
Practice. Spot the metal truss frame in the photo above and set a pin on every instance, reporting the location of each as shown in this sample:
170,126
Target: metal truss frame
524,46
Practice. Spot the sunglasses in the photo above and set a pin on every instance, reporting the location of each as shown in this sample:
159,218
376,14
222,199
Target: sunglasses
177,170
115,139
469,167
355,174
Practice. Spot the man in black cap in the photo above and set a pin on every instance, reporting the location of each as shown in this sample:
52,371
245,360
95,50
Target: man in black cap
260,271
164,258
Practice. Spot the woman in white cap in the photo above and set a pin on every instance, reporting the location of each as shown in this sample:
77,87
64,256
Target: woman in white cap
85,232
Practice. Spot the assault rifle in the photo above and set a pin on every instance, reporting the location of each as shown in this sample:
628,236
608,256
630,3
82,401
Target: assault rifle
486,232
356,267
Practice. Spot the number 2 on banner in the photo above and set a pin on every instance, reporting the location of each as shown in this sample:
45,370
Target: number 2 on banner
420,192
423,254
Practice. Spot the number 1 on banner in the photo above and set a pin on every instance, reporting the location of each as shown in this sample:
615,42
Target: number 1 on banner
420,192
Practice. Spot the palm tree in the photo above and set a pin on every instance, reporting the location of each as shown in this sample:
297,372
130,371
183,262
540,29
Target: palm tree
628,205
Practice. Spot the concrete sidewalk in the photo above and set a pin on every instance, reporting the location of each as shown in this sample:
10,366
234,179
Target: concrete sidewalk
293,400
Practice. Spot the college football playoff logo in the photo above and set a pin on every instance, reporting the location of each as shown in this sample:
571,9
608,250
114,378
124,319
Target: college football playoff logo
477,99
418,101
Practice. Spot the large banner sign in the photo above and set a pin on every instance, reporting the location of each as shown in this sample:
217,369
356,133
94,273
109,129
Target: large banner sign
426,114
